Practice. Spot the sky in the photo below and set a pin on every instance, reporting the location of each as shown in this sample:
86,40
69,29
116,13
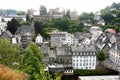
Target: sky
78,5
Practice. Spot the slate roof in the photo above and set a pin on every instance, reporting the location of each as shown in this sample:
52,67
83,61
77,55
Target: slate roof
6,34
63,50
25,29
45,49
82,35
83,48
116,46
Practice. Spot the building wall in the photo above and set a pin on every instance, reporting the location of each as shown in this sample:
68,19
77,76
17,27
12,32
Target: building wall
60,37
86,61
114,56
39,39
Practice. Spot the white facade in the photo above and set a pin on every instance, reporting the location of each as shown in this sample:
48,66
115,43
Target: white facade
39,39
86,41
14,40
95,30
74,15
68,39
61,38
84,57
101,22
10,17
2,26
113,39
114,56
84,61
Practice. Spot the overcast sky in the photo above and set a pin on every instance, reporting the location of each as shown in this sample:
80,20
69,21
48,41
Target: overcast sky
79,5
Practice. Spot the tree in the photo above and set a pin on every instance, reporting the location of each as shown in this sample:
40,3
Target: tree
43,10
64,23
31,62
68,13
8,52
38,27
13,25
108,18
101,56
21,13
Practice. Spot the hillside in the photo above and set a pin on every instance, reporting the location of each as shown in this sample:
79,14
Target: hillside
10,74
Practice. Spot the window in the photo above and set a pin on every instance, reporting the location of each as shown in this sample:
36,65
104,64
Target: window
76,60
89,63
80,64
89,67
84,61
86,64
83,64
76,64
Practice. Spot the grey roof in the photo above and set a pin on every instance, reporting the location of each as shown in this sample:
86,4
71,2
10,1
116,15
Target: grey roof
45,49
82,35
116,46
9,33
83,48
24,29
109,35
63,50
17,16
6,34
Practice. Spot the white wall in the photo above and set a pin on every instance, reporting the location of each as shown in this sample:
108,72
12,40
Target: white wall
84,62
114,56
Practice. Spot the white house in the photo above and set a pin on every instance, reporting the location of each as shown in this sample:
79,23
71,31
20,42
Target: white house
3,26
74,15
114,54
39,39
101,22
86,41
14,40
10,17
84,57
61,38
95,30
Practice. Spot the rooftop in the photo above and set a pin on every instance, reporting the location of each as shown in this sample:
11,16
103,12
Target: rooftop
107,77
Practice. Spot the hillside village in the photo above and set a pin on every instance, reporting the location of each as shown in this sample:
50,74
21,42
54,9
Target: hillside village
64,51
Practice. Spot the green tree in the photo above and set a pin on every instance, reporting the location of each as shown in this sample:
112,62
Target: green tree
101,56
13,25
9,53
31,63
39,27
43,10
68,13
58,75
21,13
108,17
64,23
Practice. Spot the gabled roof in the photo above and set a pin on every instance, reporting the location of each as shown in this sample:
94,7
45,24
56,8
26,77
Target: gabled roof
106,47
6,34
24,29
64,50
